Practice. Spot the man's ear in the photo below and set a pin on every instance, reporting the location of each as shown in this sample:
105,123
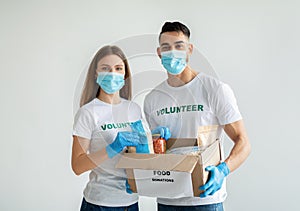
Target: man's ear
190,49
158,52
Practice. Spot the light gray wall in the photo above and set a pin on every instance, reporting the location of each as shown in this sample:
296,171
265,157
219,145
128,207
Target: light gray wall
45,47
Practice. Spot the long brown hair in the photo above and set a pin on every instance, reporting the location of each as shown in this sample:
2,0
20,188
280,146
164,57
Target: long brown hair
91,88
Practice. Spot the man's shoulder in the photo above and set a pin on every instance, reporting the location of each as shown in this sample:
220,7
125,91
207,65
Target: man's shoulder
205,78
160,88
209,82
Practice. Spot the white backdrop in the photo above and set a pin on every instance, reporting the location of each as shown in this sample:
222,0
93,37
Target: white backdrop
46,45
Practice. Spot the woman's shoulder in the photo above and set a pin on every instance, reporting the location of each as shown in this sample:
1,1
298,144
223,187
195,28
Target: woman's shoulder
89,108
130,104
89,105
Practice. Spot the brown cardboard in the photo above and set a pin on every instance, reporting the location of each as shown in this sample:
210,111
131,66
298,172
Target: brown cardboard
193,164
181,142
208,134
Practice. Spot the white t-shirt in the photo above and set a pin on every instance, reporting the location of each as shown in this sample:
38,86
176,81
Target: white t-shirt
203,101
100,122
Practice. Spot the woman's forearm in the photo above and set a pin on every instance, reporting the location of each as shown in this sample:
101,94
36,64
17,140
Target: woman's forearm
83,161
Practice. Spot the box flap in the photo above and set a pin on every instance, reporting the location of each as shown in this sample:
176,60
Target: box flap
208,134
170,162
212,154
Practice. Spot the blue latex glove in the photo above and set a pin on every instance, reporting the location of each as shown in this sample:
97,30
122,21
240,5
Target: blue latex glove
128,189
163,131
217,175
138,128
122,140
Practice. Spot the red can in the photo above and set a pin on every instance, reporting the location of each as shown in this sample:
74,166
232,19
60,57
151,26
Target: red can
159,144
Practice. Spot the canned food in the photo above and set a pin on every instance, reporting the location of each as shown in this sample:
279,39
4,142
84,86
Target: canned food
159,144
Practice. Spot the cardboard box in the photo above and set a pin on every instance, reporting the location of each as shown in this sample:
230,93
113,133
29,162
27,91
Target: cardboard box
170,175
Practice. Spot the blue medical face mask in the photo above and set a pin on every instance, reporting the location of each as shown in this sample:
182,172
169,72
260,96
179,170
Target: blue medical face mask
110,82
174,61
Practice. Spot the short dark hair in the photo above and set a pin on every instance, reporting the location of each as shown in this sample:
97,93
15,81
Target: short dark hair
175,26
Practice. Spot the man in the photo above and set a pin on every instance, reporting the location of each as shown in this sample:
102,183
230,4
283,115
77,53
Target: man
214,104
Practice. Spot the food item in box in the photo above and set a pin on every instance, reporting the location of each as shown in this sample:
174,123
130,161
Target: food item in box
159,144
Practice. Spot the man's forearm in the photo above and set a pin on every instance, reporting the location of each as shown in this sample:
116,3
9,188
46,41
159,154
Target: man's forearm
238,154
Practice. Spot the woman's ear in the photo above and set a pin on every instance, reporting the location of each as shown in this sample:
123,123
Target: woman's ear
96,74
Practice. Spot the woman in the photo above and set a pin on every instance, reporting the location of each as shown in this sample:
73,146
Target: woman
102,129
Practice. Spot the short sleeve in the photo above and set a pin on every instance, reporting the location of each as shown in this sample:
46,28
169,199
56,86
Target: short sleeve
83,124
225,105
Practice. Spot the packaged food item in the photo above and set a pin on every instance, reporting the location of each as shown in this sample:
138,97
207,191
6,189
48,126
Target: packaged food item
207,136
189,150
141,128
159,144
